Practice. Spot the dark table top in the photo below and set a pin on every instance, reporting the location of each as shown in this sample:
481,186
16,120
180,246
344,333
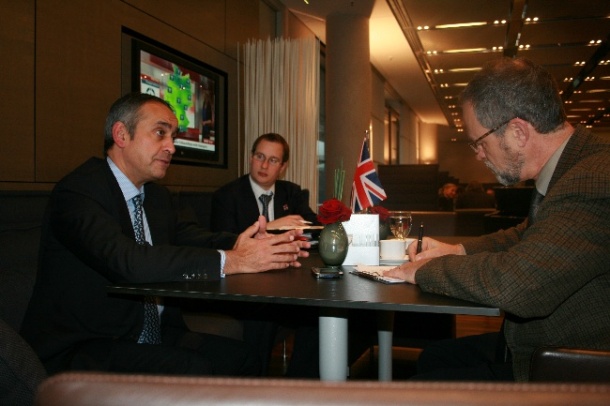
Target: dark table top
297,286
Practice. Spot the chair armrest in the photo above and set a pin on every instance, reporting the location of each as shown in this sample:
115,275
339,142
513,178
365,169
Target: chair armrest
84,389
556,364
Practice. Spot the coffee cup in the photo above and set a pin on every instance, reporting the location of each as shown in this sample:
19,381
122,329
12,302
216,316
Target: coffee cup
392,249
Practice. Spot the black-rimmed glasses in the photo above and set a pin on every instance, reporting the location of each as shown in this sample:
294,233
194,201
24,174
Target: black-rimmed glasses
477,143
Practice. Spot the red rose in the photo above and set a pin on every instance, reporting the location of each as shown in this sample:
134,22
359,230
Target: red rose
332,211
382,211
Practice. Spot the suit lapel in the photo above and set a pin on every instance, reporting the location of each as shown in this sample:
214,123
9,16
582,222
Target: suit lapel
280,201
250,212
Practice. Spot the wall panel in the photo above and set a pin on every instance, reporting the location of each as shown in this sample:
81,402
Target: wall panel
16,82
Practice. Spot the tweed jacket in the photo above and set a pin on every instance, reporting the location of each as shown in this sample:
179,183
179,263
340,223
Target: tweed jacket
551,279
235,208
88,243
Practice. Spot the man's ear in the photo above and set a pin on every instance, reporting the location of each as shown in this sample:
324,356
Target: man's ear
521,131
119,134
283,168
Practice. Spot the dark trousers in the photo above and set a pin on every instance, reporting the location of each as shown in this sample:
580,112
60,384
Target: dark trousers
473,358
182,352
260,332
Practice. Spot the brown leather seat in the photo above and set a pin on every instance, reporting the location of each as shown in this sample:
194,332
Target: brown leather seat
554,364
80,389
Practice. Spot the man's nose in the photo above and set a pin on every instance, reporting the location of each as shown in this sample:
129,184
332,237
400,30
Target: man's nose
480,154
169,146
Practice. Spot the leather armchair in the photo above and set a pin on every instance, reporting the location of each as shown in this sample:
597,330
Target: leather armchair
80,389
555,364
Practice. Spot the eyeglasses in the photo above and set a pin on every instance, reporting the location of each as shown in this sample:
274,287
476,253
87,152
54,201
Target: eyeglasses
477,143
260,157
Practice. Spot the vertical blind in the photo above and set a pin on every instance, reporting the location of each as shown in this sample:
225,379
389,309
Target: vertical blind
281,92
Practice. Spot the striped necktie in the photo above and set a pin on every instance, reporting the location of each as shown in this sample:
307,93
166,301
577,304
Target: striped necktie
151,331
533,212
265,199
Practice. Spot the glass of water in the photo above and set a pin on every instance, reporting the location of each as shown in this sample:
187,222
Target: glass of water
400,223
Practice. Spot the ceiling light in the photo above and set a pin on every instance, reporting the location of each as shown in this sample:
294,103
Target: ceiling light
464,51
457,70
460,25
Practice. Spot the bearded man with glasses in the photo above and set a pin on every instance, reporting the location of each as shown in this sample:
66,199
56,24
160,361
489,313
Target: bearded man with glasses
549,274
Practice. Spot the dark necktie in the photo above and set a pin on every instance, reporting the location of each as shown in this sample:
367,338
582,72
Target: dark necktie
265,199
151,331
536,199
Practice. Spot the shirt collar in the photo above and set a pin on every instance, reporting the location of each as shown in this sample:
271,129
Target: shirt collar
542,183
259,190
127,187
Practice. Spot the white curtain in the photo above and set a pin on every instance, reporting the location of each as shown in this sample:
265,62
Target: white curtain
281,95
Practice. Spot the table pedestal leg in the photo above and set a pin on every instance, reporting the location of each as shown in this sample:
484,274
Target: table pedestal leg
333,344
385,327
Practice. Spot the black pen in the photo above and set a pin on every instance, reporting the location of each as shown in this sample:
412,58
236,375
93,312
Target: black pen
420,237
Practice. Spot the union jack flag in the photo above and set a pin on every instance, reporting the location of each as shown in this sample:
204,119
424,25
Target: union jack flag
366,189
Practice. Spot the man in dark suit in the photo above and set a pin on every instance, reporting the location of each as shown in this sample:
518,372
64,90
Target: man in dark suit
549,274
236,204
95,234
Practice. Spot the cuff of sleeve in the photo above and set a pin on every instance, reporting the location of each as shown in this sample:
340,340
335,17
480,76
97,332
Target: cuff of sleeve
223,259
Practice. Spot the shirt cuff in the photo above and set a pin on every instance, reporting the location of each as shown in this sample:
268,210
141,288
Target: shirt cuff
223,259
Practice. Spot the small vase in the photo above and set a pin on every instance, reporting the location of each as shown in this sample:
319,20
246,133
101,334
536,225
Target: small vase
333,244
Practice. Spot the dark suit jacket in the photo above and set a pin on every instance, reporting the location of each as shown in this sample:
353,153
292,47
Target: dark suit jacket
552,279
88,243
235,208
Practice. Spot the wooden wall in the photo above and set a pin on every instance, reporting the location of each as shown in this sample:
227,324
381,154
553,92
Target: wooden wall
61,70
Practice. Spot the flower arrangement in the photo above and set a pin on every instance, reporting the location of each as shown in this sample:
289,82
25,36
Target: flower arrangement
332,211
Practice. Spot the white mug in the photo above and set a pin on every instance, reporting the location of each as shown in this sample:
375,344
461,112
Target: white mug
392,249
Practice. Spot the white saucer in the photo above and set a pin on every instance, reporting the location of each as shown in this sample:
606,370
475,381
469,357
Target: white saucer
393,261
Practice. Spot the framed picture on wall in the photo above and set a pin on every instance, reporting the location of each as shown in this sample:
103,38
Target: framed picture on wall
196,91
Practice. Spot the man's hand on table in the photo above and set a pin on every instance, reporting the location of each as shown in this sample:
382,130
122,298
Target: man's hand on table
430,249
258,251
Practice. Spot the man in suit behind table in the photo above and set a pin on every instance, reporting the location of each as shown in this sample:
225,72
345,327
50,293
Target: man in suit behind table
95,234
549,274
235,204
284,203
